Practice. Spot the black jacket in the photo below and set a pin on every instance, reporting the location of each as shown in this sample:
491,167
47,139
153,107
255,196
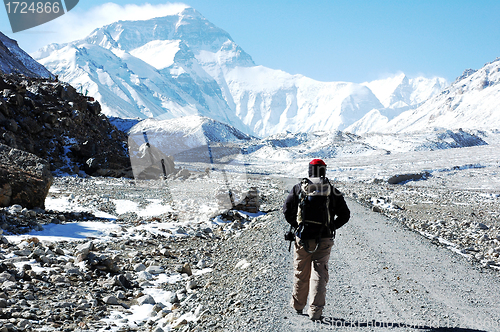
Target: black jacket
339,212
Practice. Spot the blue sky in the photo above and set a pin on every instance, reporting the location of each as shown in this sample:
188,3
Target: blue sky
349,40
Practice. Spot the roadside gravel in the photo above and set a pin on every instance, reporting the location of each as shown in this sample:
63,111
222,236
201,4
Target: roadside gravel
383,271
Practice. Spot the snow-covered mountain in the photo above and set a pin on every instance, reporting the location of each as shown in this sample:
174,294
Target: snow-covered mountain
400,91
472,101
398,94
13,60
193,136
182,65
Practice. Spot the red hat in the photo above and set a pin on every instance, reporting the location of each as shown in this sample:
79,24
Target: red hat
317,162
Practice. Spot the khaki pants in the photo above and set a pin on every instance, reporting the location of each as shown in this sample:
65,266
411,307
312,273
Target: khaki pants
311,274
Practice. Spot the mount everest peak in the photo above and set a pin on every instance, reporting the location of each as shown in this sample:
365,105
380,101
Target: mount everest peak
183,65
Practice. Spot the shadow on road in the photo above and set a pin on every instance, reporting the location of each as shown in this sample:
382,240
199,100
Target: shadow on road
326,322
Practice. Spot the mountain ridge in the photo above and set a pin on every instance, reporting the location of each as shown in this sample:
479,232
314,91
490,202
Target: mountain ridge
13,60
203,72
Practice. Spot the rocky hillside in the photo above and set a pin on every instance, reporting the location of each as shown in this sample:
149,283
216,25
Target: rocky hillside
13,60
53,121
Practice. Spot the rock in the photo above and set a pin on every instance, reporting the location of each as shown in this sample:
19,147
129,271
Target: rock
183,173
110,300
155,270
121,280
41,117
179,323
59,279
148,162
24,252
8,285
482,226
201,264
146,299
144,276
139,267
242,264
28,178
171,297
5,194
191,284
186,268
4,276
84,249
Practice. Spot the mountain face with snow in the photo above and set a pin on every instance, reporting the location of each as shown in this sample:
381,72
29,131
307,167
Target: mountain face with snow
13,60
472,102
182,65
397,94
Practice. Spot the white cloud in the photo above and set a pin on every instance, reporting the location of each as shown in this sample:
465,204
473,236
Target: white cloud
77,24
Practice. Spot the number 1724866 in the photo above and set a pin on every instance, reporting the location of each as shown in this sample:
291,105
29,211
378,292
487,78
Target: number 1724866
32,7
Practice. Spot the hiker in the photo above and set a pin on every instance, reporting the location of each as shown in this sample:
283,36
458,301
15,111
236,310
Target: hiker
315,209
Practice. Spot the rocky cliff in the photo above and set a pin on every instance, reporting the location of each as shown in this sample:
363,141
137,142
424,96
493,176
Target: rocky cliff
55,122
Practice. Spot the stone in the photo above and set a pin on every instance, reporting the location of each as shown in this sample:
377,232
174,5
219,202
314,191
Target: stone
171,297
482,226
139,267
144,276
121,295
5,194
59,279
24,252
8,285
155,270
146,299
201,264
110,300
28,176
84,249
186,268
4,276
191,284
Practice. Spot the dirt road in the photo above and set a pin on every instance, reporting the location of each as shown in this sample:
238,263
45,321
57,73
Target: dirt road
383,275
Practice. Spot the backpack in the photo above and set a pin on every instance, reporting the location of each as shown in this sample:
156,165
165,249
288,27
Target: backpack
313,213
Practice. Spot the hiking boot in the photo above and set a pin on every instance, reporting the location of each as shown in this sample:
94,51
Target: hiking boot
298,311
315,316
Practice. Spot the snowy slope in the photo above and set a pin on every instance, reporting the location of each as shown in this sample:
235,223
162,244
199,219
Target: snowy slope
14,60
191,136
472,101
398,94
400,91
182,65
272,101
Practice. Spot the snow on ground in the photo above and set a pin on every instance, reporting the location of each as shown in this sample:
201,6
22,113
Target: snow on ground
473,168
384,156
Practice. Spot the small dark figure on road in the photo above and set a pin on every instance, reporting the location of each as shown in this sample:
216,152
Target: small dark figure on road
315,209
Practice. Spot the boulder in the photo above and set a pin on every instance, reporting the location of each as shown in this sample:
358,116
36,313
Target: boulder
149,162
403,178
25,179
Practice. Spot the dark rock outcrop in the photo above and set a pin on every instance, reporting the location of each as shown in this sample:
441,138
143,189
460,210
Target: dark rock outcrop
53,121
403,178
25,179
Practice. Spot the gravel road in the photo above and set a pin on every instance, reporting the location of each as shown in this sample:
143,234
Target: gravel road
382,275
